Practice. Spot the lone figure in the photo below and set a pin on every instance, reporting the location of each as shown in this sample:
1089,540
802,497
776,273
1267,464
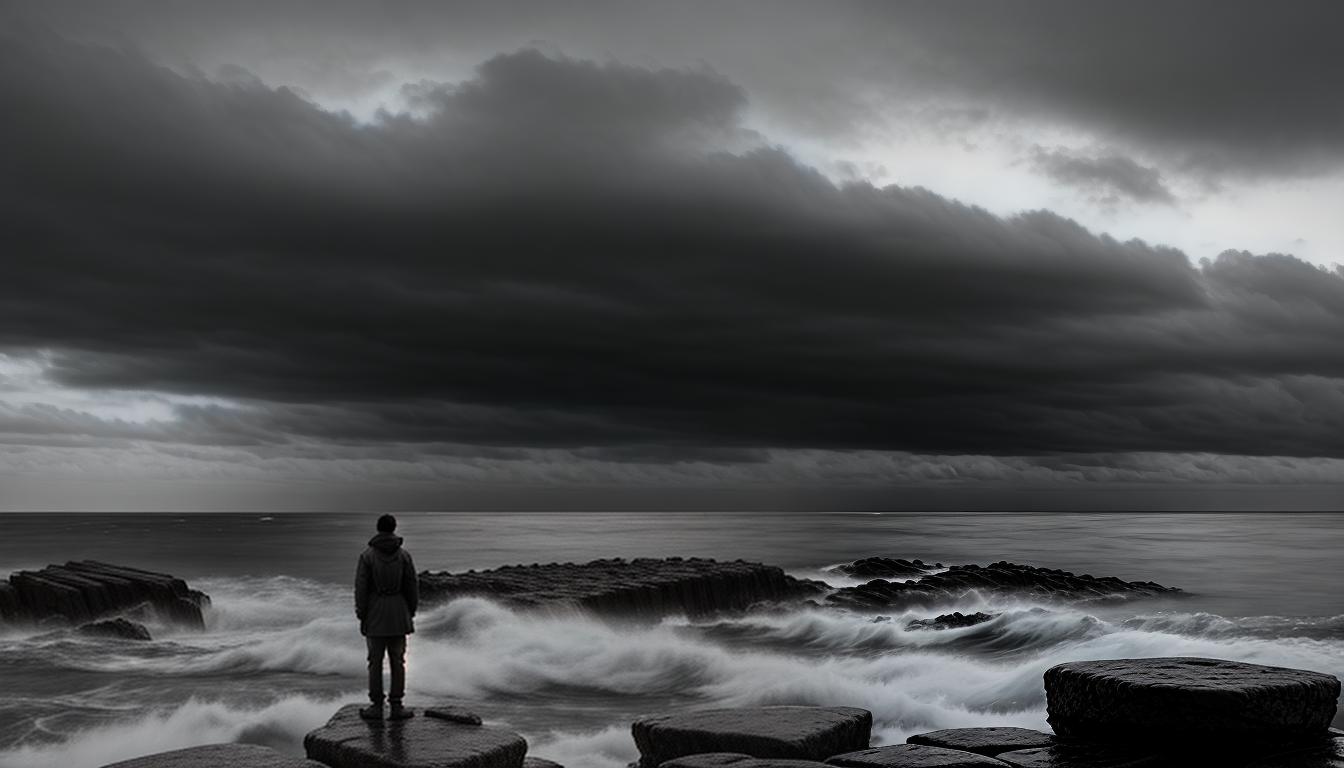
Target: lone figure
386,594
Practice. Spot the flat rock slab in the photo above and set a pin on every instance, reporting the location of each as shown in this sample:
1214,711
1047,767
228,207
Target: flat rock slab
218,756
1182,699
1084,756
537,762
347,741
1328,755
795,733
913,756
453,714
984,741
737,760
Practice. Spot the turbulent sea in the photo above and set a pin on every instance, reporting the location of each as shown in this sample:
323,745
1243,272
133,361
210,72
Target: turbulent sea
282,650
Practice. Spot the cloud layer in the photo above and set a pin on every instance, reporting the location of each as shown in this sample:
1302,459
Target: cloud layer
558,254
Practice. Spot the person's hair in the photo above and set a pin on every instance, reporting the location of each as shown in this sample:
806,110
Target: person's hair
387,524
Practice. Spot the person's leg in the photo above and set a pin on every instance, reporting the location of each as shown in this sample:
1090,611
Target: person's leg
377,647
396,662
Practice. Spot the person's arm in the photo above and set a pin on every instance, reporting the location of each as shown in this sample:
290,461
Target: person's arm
410,583
361,587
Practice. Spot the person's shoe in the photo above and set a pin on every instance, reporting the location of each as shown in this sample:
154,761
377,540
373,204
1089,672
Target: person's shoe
372,712
400,713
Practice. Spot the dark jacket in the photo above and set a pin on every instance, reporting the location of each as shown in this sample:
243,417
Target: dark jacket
387,591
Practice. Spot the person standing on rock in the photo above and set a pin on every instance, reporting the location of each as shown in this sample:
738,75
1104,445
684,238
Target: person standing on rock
387,592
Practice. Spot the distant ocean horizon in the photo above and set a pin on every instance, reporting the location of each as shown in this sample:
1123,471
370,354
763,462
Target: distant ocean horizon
281,649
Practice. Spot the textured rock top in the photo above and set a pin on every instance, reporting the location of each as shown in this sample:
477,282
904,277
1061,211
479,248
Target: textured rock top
1182,698
984,741
797,733
913,756
347,741
644,586
218,756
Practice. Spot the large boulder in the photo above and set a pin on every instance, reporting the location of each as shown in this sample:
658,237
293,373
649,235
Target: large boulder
347,741
913,756
218,756
984,741
1181,700
792,732
737,760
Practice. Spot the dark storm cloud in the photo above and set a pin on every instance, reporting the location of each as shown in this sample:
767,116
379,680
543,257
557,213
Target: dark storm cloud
1217,86
567,254
1107,177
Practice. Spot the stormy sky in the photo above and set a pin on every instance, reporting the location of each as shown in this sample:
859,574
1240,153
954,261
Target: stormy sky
283,255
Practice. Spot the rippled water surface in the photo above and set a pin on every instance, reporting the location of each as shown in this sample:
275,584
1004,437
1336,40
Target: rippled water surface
282,651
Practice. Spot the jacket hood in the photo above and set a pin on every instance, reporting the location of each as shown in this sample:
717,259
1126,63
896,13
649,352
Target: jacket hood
387,543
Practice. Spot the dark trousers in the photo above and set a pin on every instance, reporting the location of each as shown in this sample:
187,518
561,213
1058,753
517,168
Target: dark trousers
395,649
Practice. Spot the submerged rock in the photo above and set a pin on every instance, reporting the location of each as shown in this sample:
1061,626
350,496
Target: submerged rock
86,590
644,586
885,568
737,760
913,756
954,620
984,741
119,628
796,733
997,579
1180,700
218,756
347,741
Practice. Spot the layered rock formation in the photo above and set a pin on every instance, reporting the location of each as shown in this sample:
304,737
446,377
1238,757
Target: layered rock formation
644,586
794,733
998,579
1179,700
80,592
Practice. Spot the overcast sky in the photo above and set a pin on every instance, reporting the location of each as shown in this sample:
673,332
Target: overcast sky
618,255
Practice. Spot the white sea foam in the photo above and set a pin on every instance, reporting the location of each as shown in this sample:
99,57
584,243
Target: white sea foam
280,724
912,680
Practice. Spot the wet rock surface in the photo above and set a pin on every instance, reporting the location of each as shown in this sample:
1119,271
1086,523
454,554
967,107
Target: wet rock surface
83,591
984,741
954,620
997,579
1328,754
885,568
736,760
218,756
1183,699
453,713
118,628
912,756
347,741
644,586
796,733
1086,756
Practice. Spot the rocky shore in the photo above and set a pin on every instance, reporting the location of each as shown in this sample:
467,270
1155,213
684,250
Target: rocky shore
1119,713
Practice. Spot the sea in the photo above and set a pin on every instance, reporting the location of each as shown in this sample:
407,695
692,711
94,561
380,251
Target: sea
281,649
